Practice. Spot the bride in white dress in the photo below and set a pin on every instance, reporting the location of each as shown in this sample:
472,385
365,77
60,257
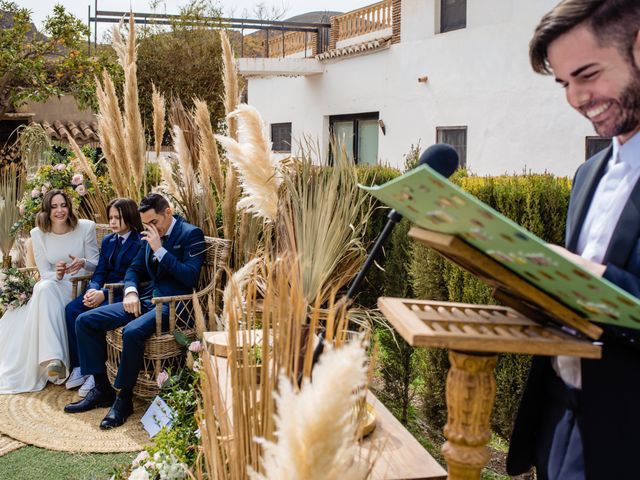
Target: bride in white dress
33,338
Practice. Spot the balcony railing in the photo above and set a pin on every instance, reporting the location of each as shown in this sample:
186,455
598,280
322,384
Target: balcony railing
365,20
291,43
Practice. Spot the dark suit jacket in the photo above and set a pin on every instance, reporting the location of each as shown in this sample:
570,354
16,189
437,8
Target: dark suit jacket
608,412
112,270
179,270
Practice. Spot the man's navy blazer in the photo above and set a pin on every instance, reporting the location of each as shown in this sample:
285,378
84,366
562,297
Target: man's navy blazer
608,406
112,270
179,270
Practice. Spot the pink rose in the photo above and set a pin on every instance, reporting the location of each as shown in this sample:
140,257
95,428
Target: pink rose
77,179
23,297
196,346
44,189
81,190
35,193
60,166
162,378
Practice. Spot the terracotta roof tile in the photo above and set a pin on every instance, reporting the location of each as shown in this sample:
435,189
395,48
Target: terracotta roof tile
82,132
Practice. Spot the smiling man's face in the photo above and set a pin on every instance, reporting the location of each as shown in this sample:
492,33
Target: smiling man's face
600,82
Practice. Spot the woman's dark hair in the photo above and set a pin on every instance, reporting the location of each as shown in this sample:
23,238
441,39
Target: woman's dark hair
153,201
43,219
613,22
128,210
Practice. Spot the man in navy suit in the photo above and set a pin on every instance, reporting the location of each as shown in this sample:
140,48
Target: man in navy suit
579,419
117,251
170,261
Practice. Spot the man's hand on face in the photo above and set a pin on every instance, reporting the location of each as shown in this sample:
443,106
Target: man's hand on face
131,304
92,298
151,236
596,269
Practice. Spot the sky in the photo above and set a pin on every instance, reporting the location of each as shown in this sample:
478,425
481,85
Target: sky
237,8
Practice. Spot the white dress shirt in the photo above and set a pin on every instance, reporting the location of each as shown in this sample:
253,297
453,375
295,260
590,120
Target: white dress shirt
611,195
158,255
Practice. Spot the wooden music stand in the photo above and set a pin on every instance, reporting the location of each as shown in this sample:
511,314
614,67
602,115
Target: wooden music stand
475,334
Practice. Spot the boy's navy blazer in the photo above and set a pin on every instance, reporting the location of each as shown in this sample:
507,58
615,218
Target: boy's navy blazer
112,270
179,270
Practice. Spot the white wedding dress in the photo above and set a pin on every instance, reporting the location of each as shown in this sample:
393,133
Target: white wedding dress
34,334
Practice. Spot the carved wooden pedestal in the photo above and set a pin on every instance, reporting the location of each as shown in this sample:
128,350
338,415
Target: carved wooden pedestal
471,389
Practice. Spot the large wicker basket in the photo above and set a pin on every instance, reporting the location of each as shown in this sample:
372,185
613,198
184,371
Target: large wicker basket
161,351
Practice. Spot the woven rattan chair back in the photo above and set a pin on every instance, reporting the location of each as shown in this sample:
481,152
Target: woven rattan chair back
161,351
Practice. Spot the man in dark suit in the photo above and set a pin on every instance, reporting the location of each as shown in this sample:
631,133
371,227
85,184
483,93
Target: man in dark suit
170,261
117,251
580,419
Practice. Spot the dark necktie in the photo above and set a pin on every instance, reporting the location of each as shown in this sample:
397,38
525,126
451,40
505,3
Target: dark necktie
116,251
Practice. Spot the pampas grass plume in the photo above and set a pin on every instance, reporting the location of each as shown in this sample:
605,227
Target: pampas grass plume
315,427
257,166
159,112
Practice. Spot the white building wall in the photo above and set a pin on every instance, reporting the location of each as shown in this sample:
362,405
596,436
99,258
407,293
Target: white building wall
479,77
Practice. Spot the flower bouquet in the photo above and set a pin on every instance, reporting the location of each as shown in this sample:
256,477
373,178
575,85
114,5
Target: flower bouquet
16,288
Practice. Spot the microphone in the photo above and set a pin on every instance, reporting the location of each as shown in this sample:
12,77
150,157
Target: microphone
440,157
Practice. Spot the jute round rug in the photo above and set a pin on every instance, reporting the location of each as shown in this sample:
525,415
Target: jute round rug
8,444
38,419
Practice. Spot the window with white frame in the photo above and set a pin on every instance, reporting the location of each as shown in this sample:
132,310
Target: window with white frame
453,15
281,137
457,138
357,134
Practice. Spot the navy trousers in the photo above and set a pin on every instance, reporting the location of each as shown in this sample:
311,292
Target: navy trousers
72,310
91,329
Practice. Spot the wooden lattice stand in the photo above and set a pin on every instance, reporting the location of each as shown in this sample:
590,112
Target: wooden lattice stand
475,334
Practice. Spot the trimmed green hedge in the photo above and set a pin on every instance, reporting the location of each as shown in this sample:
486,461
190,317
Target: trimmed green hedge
537,202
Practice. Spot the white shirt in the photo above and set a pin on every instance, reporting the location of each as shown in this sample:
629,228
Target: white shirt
611,195
158,255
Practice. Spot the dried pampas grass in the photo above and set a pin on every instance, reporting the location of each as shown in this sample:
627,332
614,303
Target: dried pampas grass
232,295
258,168
315,427
159,112
230,78
12,183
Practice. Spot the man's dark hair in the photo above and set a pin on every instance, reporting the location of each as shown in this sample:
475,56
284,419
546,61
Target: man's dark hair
155,201
128,211
613,22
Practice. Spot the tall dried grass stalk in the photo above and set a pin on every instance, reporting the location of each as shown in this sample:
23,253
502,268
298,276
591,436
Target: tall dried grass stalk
315,427
95,201
230,78
112,136
233,291
185,179
159,112
210,166
12,183
230,204
259,171
210,170
166,172
180,117
134,133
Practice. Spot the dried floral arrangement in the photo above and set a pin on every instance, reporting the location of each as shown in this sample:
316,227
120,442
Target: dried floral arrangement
16,288
12,184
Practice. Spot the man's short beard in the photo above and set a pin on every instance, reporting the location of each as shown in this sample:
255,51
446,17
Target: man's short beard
629,102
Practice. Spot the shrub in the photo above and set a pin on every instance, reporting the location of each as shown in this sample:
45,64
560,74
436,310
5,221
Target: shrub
537,202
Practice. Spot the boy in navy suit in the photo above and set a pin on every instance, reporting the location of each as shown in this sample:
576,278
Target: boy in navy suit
170,261
117,251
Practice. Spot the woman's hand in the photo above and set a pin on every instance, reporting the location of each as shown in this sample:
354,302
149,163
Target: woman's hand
61,268
75,265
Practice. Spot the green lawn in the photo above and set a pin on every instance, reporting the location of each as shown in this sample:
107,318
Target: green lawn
28,463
